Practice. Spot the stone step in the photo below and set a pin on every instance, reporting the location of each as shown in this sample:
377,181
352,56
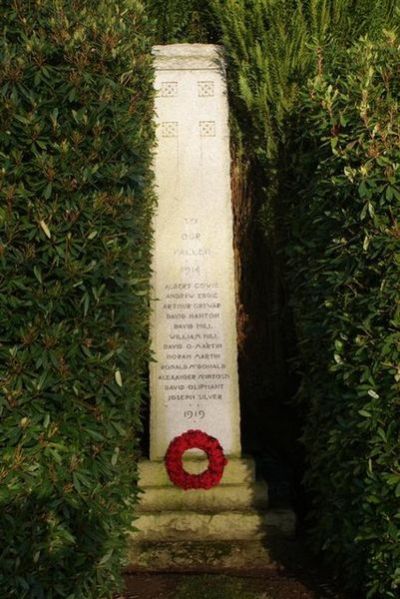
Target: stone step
218,499
237,471
205,556
224,526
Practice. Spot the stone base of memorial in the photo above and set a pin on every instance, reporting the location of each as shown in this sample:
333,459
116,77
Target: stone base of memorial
228,526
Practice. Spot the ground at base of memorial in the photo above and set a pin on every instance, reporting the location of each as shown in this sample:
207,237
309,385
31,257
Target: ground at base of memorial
241,585
296,575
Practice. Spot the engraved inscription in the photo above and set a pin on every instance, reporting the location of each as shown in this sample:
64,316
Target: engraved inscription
194,414
169,129
205,88
192,368
207,129
169,89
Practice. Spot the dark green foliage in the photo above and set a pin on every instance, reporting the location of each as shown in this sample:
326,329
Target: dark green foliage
346,267
326,165
273,46
75,204
342,238
188,21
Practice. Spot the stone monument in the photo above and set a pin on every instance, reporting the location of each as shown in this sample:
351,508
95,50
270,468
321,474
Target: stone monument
194,380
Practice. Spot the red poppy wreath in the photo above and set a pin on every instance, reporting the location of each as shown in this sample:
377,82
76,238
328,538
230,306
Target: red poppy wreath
199,440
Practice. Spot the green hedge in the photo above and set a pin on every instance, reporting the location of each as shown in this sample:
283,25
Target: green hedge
173,21
346,292
339,229
348,346
75,206
273,47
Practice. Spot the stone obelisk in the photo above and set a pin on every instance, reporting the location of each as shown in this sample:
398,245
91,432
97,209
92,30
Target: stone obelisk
194,382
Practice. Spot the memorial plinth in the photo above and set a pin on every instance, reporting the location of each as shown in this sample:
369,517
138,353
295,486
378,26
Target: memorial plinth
194,378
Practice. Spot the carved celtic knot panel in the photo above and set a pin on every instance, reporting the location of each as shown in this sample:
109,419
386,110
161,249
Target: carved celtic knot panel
169,129
169,89
207,129
205,88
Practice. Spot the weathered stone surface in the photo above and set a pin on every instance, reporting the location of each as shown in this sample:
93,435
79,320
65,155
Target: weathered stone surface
200,556
189,57
194,381
237,471
223,526
220,498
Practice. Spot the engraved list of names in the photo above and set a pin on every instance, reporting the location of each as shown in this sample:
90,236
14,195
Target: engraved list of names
193,381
